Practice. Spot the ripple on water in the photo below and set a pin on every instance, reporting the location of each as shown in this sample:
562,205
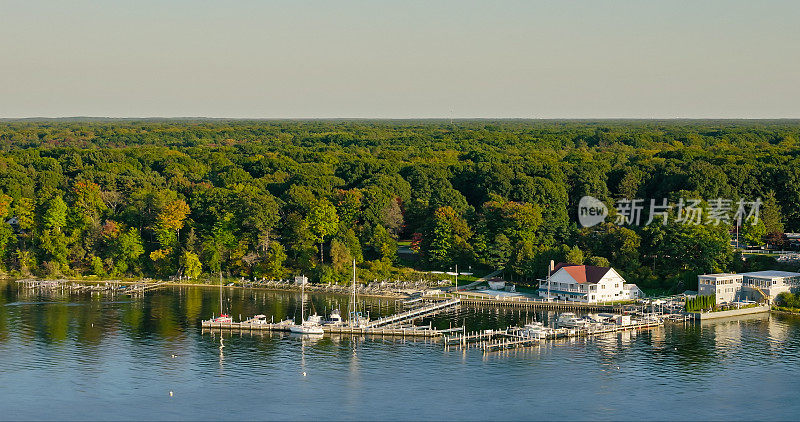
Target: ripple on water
108,354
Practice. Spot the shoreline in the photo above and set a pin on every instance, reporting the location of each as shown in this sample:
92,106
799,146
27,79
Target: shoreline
289,288
781,312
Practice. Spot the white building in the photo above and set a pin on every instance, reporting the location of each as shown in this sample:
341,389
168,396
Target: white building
586,283
772,283
758,285
727,287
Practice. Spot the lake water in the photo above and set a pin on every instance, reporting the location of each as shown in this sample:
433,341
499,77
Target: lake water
98,357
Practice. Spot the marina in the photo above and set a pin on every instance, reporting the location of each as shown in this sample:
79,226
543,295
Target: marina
158,342
493,340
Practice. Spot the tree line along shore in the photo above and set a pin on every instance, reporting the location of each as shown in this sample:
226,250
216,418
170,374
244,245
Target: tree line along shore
270,199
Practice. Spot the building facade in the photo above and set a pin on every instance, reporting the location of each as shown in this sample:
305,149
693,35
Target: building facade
587,284
727,287
757,286
772,283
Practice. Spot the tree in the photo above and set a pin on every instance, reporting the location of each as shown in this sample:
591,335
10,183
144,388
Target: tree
448,234
55,217
127,250
340,256
88,202
619,245
754,234
171,218
598,261
392,217
575,256
276,255
382,243
191,265
322,222
499,251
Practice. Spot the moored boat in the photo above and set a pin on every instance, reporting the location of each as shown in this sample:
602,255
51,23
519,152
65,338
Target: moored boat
312,325
570,320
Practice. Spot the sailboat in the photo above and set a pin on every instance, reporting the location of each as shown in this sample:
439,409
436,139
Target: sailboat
356,318
312,324
222,317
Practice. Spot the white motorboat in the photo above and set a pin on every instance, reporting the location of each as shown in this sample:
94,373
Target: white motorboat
570,320
335,318
306,328
536,330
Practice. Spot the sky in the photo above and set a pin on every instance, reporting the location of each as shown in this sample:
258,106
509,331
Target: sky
400,59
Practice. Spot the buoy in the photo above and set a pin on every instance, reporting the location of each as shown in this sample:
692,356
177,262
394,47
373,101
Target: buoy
304,373
174,356
170,393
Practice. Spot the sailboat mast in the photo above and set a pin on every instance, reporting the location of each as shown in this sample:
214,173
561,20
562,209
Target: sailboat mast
353,311
303,299
220,293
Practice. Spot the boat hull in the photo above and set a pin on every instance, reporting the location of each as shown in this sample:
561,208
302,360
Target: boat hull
300,329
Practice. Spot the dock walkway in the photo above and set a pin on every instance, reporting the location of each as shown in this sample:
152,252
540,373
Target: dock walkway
529,303
492,340
413,313
252,325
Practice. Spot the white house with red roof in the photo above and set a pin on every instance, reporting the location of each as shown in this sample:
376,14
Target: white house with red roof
587,284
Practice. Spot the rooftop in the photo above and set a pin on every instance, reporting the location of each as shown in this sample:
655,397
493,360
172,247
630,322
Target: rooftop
771,273
583,273
719,275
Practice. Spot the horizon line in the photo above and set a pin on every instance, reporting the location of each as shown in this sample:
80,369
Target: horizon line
42,118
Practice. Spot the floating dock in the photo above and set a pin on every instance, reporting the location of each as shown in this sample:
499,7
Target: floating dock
492,340
386,326
328,329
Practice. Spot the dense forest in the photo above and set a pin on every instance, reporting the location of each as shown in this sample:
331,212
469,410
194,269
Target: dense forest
161,198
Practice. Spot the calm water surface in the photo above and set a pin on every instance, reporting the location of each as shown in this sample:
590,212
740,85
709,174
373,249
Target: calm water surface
102,357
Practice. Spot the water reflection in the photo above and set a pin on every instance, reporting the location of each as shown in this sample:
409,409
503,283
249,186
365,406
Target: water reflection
104,352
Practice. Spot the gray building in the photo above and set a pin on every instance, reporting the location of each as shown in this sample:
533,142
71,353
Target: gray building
758,285
771,283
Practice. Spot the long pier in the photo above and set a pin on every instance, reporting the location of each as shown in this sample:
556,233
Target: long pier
413,313
526,303
251,325
491,340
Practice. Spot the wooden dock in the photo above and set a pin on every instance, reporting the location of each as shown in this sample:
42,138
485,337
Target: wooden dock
328,329
526,303
142,288
414,313
492,340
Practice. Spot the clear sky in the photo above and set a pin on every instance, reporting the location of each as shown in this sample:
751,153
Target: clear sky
400,59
